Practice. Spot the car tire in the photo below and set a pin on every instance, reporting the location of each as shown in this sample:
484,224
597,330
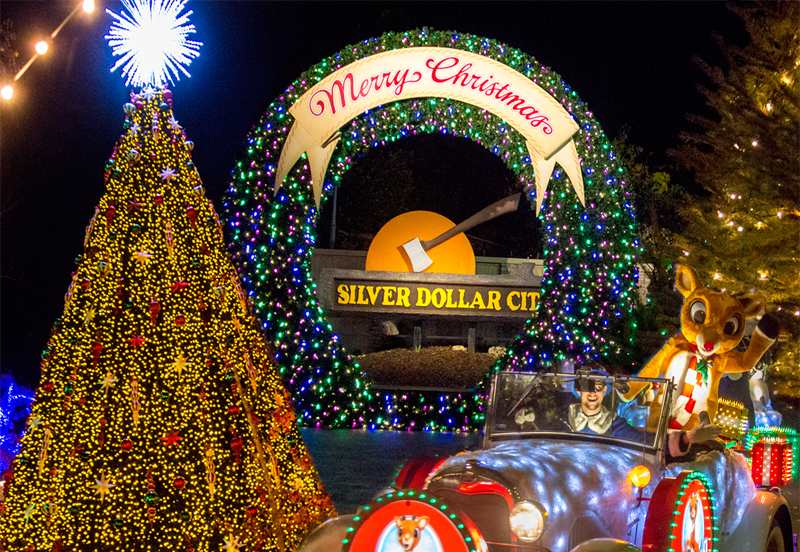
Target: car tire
775,541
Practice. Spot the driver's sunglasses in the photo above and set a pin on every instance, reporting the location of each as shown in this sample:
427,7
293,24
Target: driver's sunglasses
587,386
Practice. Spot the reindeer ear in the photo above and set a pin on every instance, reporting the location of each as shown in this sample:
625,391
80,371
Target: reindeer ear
687,280
398,521
423,522
752,304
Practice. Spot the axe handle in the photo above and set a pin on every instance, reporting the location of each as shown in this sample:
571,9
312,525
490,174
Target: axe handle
505,205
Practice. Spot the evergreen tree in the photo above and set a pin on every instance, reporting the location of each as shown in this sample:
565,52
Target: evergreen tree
657,200
743,232
161,422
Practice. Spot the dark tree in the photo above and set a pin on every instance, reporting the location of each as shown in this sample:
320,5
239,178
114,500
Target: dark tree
743,228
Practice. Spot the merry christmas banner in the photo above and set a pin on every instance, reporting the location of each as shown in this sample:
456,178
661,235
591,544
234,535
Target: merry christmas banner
431,72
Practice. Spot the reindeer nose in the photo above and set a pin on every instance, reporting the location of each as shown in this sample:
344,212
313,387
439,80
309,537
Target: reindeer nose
708,345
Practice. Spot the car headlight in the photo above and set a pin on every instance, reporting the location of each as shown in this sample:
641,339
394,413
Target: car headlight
528,521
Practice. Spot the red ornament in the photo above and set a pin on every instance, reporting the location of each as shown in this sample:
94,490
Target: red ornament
136,341
111,212
134,205
179,482
126,444
159,199
47,386
236,445
251,510
191,214
179,285
180,320
171,438
97,349
234,410
155,308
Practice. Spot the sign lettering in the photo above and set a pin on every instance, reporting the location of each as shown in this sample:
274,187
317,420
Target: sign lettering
420,72
432,298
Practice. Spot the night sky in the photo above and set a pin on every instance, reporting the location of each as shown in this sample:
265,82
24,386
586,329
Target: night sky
630,61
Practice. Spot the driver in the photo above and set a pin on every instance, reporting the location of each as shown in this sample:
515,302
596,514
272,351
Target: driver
590,416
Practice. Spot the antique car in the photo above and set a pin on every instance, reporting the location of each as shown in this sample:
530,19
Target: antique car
549,478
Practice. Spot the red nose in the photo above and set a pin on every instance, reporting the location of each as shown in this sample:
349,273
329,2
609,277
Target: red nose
708,345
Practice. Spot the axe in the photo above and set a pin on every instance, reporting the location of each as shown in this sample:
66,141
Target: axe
416,248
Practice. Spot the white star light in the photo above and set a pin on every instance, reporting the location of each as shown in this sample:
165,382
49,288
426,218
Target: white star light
152,41
167,174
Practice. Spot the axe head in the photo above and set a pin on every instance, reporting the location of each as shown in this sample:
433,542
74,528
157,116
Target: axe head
416,254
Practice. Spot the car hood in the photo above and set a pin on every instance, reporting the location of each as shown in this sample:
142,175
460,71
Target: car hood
590,479
568,479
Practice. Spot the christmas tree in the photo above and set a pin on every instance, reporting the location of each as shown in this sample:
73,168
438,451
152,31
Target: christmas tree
744,231
160,421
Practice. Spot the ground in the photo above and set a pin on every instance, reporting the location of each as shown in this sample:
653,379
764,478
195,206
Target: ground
428,367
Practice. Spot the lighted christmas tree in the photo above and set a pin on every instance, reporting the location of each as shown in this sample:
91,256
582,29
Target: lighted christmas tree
160,422
744,231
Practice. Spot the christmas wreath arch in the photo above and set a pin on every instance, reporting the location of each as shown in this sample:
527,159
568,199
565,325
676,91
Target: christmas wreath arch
272,205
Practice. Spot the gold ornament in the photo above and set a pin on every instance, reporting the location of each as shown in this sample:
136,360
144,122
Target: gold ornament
135,406
102,486
180,363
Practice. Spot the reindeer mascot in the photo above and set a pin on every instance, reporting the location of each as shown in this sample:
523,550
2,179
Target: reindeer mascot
712,324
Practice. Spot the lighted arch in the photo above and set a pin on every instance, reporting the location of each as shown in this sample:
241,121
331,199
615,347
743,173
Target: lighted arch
589,255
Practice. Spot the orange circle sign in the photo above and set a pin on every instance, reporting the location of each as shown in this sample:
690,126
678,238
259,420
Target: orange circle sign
454,256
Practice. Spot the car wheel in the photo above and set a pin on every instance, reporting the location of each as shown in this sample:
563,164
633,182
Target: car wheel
775,539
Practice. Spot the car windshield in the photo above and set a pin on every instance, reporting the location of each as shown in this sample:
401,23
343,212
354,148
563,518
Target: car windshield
584,405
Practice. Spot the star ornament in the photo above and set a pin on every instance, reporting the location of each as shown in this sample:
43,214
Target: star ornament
107,381
171,438
179,285
173,123
148,92
231,544
180,363
167,174
136,341
142,257
151,40
102,486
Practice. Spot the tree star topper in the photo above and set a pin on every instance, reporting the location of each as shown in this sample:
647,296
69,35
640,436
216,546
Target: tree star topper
152,41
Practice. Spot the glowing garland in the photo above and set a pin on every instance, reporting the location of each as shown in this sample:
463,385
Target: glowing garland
589,253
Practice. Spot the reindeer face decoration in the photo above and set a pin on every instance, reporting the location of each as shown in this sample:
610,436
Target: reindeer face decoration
409,529
691,544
